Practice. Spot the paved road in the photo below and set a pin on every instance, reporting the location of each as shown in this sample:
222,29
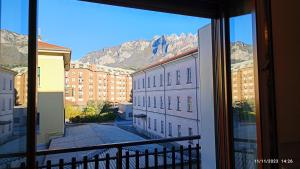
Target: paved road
93,134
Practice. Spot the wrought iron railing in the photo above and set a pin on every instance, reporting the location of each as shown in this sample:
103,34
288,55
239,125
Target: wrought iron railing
245,152
156,153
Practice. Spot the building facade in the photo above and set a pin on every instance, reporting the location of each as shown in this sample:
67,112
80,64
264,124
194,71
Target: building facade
53,61
21,80
7,100
243,81
165,97
88,82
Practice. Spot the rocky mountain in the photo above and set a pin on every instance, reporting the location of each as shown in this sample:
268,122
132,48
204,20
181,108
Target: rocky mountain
132,54
240,52
136,54
13,48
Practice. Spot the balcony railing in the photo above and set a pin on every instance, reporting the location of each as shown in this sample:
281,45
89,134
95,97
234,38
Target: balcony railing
156,153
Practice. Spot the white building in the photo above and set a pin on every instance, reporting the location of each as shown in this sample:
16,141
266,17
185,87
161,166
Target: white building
125,111
165,97
6,103
175,97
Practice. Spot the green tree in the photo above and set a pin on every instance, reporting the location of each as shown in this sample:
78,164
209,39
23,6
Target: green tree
107,107
71,111
244,110
91,108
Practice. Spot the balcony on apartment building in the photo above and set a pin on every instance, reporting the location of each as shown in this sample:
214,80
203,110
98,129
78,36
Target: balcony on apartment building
124,155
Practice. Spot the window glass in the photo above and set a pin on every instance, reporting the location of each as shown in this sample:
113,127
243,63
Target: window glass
13,79
243,91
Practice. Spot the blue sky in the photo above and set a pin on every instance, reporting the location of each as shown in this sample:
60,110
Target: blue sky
86,27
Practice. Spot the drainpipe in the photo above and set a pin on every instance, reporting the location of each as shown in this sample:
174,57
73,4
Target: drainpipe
197,87
165,107
146,101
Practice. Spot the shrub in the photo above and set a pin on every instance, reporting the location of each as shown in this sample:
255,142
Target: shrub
71,111
94,118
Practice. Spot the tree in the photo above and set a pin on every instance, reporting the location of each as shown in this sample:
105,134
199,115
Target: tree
131,95
16,97
71,111
91,108
107,107
244,110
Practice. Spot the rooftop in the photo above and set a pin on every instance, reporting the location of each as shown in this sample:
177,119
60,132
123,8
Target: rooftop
47,46
184,54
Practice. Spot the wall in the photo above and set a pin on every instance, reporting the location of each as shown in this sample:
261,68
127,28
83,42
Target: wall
6,104
51,109
50,97
286,36
206,102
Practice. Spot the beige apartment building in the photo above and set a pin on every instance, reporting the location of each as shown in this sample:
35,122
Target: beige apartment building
85,82
243,81
21,85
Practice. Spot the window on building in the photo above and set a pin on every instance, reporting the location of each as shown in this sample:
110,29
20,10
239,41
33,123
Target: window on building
154,101
178,77
134,85
178,103
169,79
3,104
9,127
170,129
148,82
154,81
138,83
10,85
149,123
4,84
190,134
189,104
143,101
189,75
39,76
162,127
161,102
161,79
134,120
155,123
179,130
169,102
10,104
139,101
149,104
143,83
134,101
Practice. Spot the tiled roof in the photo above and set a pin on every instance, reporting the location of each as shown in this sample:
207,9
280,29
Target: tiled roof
44,45
169,59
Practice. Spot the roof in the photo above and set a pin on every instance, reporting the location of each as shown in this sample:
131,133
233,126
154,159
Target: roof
45,45
4,69
169,59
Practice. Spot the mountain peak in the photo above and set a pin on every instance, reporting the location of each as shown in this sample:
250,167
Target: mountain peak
138,53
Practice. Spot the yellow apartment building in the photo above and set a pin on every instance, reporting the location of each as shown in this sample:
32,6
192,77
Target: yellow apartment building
52,62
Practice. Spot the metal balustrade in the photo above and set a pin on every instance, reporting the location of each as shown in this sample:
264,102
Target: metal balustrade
123,155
